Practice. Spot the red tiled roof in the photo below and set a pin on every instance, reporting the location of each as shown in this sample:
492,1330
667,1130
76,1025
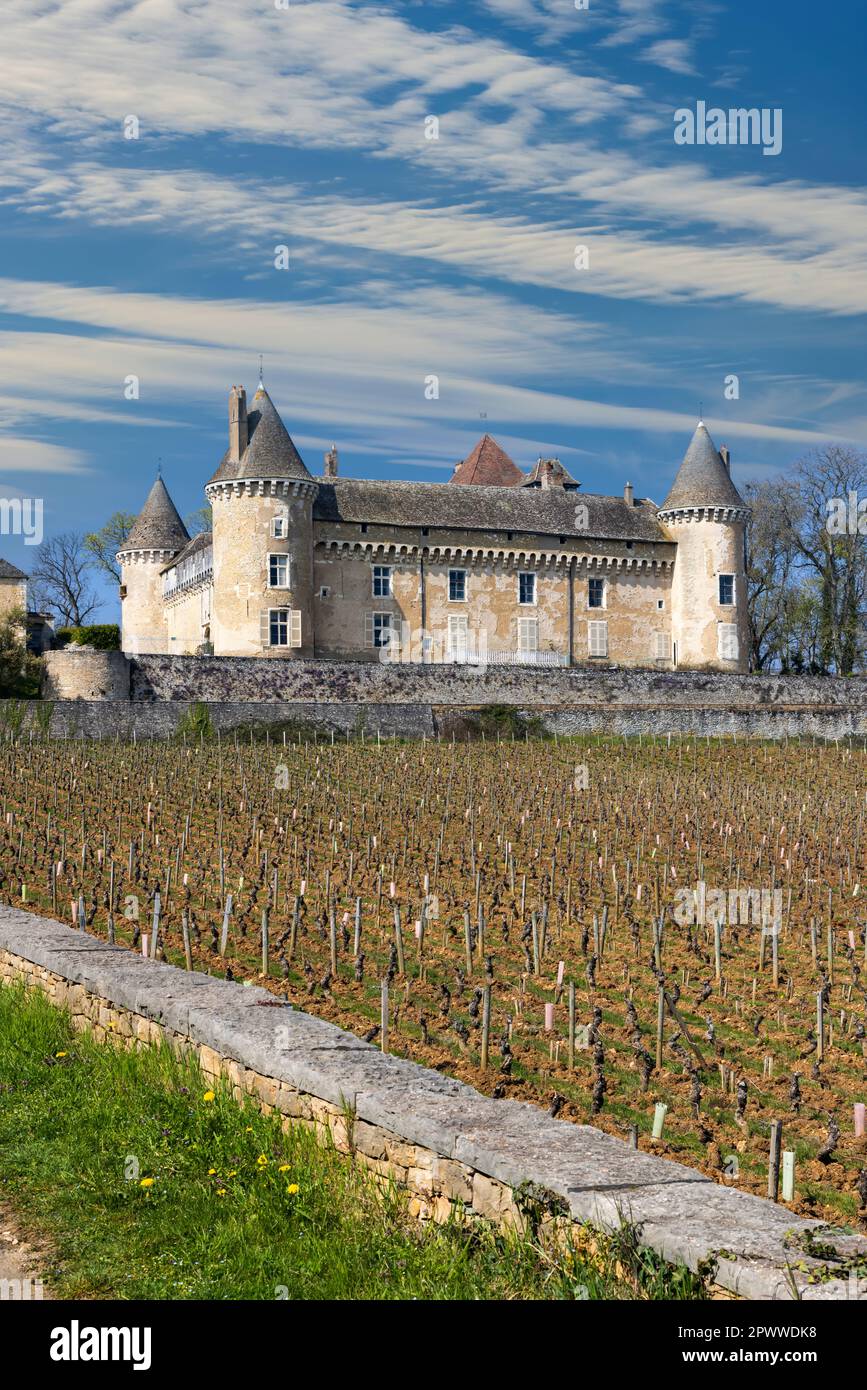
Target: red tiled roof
488,465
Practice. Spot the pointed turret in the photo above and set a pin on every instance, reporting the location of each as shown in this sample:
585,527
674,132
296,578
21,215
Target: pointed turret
488,466
260,445
261,498
158,525
706,515
703,479
157,535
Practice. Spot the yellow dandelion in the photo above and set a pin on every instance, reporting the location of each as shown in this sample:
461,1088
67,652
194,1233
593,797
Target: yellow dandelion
284,1168
249,1129
146,1182
61,1054
261,1161
221,1191
211,1172
292,1188
233,1172
208,1096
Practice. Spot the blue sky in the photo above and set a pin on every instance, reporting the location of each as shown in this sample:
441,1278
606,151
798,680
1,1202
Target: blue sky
304,126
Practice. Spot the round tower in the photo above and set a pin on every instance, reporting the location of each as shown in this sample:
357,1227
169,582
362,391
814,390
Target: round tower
706,515
262,501
157,536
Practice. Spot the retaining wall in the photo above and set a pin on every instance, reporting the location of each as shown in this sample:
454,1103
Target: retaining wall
106,694
446,1143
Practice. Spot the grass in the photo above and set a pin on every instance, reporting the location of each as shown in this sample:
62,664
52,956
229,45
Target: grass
149,1185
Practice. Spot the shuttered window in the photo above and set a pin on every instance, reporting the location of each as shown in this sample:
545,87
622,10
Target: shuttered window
280,627
729,647
660,646
597,639
377,629
457,635
528,635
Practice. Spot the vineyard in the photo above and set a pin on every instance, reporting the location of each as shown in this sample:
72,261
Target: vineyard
661,938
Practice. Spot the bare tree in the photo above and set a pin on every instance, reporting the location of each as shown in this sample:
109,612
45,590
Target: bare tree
838,562
61,579
771,565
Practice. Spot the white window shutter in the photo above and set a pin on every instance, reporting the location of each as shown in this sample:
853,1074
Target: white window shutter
597,636
661,646
729,647
457,634
368,629
528,635
295,627
265,627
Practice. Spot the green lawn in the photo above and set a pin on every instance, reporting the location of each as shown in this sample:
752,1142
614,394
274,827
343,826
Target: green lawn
151,1186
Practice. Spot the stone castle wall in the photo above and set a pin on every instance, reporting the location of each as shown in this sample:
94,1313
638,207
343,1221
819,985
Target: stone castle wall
105,694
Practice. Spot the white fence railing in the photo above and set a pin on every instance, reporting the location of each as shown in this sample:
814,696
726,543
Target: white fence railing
486,657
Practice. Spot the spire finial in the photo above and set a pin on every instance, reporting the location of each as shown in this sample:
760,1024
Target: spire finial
159,468
261,376
701,412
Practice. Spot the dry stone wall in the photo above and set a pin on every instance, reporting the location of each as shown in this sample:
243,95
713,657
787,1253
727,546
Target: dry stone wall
448,1145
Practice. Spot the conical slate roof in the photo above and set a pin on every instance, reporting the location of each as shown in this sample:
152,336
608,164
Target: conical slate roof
488,465
702,479
158,525
270,452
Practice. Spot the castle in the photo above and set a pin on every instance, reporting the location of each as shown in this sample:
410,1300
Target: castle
495,566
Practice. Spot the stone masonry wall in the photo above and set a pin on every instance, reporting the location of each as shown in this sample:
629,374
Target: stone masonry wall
449,1146
147,696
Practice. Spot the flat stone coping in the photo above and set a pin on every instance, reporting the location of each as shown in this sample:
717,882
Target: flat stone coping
682,1215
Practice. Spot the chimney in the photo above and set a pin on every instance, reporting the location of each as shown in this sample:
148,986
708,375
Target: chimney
332,462
237,422
628,495
726,458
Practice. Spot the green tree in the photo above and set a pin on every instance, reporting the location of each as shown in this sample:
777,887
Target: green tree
202,519
19,668
103,545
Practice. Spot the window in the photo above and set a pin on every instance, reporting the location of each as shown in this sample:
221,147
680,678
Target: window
324,591
382,581
377,630
726,590
660,603
457,636
278,571
526,588
728,646
597,639
660,646
596,593
457,586
280,526
528,634
281,627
